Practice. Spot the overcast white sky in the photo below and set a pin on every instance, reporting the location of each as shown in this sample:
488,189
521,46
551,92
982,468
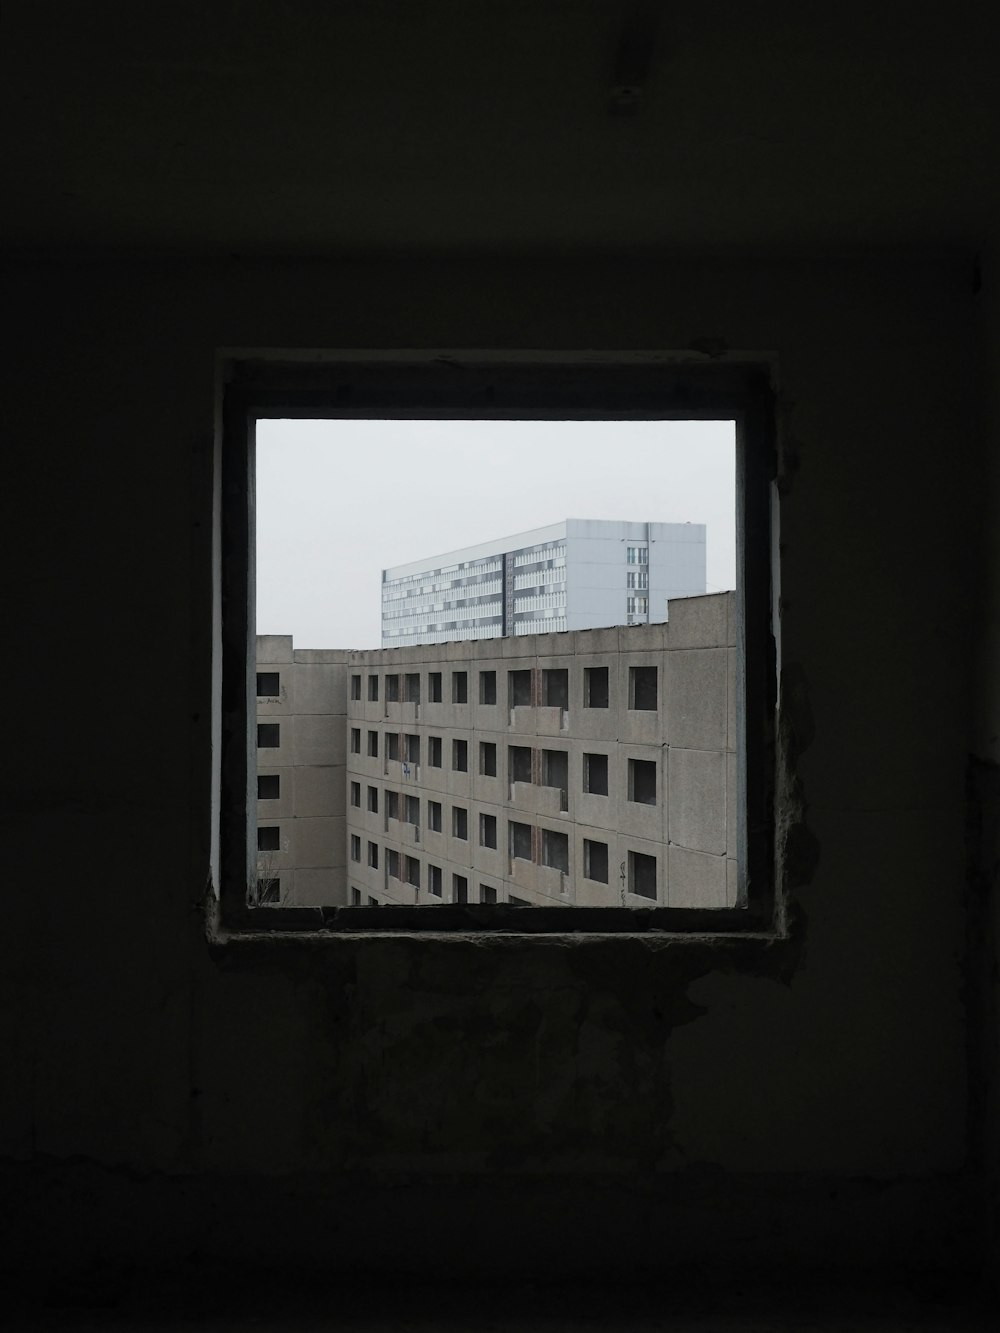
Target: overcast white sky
339,500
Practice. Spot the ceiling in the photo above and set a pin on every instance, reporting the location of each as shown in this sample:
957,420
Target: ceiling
316,127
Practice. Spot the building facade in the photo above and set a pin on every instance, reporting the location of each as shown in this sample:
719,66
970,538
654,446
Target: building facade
301,773
577,574
594,768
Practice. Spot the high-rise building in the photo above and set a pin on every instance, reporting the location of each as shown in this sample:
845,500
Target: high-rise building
577,574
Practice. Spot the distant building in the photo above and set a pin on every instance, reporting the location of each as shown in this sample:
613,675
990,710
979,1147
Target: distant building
577,574
591,768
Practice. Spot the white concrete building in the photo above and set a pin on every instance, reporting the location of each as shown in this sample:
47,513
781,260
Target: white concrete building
577,574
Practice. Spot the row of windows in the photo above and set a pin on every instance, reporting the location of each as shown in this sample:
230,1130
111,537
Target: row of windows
525,687
545,768
526,843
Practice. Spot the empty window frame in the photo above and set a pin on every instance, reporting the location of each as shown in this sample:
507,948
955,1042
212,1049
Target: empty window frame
356,795
487,687
392,745
653,391
488,759
487,830
555,850
373,688
518,763
411,810
373,745
595,774
487,894
355,687
642,874
459,889
434,751
392,862
642,688
355,740
373,800
460,822
460,687
595,860
268,735
412,871
392,805
268,838
434,694
373,855
519,688
392,688
595,687
355,847
411,687
411,748
642,781
268,684
555,687
520,840
460,756
434,881
434,816
268,786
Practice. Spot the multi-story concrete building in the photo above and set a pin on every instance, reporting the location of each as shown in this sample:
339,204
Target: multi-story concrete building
590,768
301,774
577,574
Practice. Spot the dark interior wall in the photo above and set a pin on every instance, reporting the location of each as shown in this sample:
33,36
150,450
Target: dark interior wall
546,1103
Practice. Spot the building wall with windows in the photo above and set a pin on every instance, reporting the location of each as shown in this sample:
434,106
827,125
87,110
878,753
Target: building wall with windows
577,574
301,773
592,768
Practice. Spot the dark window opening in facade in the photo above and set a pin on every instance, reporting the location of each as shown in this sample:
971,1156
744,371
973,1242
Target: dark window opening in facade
487,894
520,840
555,850
434,694
487,830
487,687
356,794
459,889
642,688
412,749
373,745
434,751
460,756
460,687
519,688
392,689
372,690
519,763
268,891
642,781
642,874
392,862
392,745
434,881
373,855
268,838
411,687
555,687
269,735
460,823
413,871
373,800
595,687
595,774
356,740
355,897
392,805
268,786
355,847
595,860
488,759
412,810
434,816
356,687
268,684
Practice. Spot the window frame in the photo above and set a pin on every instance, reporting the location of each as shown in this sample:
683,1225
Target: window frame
432,386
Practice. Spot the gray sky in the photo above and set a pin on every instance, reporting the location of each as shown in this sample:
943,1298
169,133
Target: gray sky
339,500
